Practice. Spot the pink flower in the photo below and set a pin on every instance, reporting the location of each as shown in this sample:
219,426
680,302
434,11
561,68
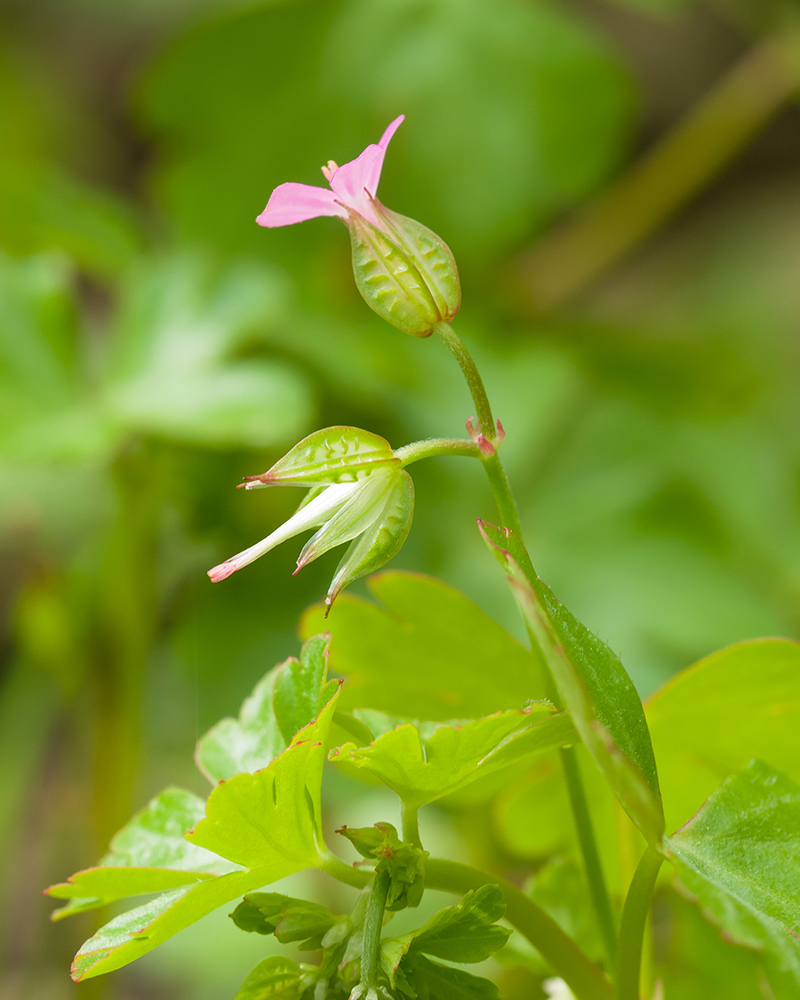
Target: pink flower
353,187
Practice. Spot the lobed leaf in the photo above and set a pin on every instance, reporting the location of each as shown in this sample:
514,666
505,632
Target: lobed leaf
422,769
283,702
697,962
149,854
253,818
594,685
421,650
138,931
740,857
268,822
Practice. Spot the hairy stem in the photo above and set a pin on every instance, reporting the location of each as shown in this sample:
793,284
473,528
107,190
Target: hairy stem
680,165
483,410
507,509
434,447
634,920
373,925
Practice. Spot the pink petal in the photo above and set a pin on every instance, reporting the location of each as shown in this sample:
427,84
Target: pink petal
371,181
386,138
290,203
352,179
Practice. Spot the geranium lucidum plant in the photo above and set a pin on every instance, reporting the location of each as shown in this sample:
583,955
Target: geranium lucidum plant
739,855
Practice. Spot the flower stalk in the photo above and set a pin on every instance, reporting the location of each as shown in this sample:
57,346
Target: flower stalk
507,509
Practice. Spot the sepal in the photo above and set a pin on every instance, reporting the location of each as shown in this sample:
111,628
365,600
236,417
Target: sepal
330,455
404,272
381,541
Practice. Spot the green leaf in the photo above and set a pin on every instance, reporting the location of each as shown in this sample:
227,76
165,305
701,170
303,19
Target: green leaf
599,694
331,455
433,981
297,691
695,961
42,208
422,651
421,770
467,932
289,919
270,820
275,813
740,857
176,369
276,978
710,720
46,411
138,931
149,854
283,702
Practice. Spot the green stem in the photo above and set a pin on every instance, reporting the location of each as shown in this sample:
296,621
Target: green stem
503,496
411,826
373,926
591,858
336,868
483,410
634,919
509,516
584,978
434,447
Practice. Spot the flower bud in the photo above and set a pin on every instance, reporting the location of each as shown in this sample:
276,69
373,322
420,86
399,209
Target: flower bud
405,273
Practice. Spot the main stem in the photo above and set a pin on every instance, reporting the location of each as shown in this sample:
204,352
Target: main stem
507,509
586,980
634,919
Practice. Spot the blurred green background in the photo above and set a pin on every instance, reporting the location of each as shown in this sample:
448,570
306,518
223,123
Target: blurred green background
620,184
